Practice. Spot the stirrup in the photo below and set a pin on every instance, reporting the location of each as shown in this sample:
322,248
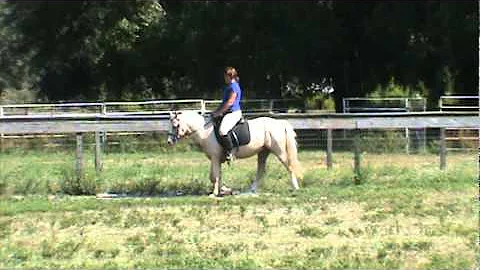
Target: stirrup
229,157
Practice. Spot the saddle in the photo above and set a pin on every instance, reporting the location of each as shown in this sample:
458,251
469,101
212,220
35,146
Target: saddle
239,134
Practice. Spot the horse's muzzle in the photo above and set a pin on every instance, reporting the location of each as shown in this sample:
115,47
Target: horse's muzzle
172,139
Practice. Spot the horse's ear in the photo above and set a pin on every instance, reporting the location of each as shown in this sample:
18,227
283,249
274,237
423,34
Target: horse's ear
173,115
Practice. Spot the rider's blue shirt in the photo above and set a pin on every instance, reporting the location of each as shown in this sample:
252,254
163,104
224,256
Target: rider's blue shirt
235,87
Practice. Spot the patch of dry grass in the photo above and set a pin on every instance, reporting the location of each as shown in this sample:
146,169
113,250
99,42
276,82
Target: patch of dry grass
322,234
405,215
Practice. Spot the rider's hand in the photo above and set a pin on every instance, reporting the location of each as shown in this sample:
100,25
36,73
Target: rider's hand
216,114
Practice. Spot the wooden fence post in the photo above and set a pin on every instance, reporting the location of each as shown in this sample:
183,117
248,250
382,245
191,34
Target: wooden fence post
270,106
104,141
329,149
443,149
79,157
1,134
98,153
357,157
407,143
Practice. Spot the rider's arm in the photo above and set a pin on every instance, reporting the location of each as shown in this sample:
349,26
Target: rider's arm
227,104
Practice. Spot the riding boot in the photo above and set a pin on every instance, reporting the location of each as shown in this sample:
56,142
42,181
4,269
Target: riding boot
227,146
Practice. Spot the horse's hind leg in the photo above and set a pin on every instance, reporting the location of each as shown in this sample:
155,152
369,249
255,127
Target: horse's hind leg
261,165
294,180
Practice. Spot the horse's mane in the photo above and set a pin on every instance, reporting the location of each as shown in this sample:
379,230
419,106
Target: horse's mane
192,115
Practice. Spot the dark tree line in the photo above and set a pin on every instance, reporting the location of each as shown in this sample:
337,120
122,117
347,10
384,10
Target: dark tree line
97,50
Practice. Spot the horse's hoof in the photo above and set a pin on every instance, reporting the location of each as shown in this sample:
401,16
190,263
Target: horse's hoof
226,191
213,196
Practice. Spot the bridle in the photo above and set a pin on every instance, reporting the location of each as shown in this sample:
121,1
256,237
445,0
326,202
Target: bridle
173,131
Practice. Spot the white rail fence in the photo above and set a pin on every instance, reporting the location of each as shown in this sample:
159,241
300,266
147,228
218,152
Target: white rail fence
375,105
361,105
154,107
461,139
146,107
459,103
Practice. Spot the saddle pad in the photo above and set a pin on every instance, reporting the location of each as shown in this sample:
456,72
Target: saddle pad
240,133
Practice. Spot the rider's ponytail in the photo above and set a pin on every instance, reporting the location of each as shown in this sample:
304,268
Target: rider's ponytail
232,73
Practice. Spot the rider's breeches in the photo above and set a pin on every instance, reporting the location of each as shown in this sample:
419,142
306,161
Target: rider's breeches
229,121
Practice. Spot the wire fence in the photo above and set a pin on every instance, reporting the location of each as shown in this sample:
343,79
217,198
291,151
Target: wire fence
129,161
25,160
376,141
461,139
373,141
404,140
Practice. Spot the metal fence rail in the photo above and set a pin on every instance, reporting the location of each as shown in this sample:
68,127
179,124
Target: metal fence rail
459,103
153,107
147,107
44,124
359,105
375,105
461,139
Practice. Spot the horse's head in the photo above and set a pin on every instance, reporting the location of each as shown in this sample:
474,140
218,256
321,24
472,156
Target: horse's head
182,125
174,129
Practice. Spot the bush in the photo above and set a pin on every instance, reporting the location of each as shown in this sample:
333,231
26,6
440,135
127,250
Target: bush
320,102
18,96
392,89
383,142
72,184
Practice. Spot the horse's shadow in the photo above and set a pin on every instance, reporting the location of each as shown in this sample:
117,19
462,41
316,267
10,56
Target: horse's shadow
171,194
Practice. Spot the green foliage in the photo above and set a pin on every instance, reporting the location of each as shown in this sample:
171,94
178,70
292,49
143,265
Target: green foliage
308,231
329,104
158,173
136,243
5,227
383,142
72,184
394,89
450,261
18,96
320,102
81,42
149,49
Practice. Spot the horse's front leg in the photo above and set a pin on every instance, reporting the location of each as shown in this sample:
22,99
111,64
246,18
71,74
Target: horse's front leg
216,176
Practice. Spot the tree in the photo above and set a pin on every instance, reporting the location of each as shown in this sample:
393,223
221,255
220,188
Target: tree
73,43
162,49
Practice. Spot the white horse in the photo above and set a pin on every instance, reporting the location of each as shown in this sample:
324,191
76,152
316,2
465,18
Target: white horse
267,135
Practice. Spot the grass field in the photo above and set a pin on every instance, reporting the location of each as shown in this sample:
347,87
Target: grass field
406,213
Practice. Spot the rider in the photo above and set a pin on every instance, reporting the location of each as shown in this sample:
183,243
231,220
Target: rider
230,108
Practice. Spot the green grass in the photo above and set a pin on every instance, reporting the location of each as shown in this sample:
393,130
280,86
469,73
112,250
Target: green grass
405,213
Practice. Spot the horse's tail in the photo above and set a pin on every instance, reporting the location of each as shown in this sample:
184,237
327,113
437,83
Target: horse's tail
292,153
